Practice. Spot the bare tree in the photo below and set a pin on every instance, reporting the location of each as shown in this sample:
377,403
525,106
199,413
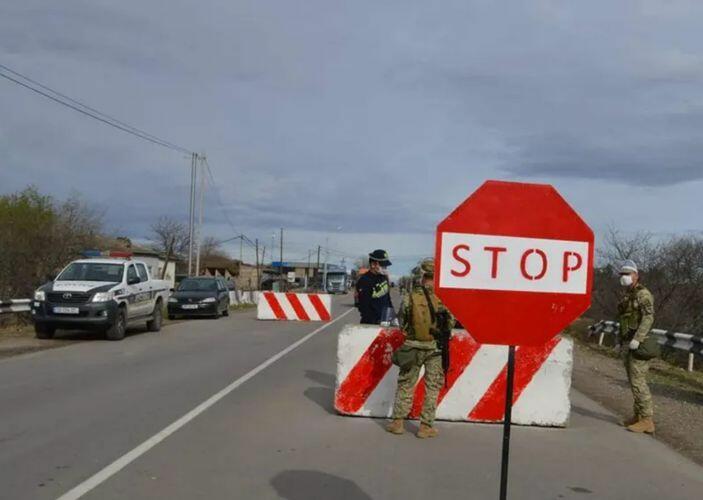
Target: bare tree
40,236
169,236
671,269
211,247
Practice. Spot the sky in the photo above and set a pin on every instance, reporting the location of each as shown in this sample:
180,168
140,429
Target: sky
358,125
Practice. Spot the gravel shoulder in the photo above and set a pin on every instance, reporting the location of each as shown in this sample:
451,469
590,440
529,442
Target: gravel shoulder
678,395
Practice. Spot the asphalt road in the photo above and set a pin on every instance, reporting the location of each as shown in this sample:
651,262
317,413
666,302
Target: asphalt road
67,414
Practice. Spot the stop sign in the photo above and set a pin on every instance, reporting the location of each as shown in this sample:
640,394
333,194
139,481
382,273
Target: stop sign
514,263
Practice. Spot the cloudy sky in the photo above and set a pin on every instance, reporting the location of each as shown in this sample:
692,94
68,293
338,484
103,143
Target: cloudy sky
362,123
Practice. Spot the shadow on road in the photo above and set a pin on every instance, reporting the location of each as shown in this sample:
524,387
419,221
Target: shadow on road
612,419
93,334
322,396
314,485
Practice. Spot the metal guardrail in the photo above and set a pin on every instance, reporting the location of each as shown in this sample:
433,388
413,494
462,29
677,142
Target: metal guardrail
14,306
692,344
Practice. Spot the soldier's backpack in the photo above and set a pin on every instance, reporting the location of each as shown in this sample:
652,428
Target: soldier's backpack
422,314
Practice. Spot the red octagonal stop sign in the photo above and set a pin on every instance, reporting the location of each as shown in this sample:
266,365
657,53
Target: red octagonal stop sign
514,263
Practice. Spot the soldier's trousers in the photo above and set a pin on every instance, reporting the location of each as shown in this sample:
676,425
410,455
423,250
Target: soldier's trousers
434,378
637,376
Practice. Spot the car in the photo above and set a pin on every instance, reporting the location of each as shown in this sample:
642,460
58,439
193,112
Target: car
99,294
200,296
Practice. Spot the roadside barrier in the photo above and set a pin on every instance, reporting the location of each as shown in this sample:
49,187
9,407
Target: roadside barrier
682,341
294,306
242,297
476,379
14,306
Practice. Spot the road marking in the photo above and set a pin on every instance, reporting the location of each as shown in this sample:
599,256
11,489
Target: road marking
119,464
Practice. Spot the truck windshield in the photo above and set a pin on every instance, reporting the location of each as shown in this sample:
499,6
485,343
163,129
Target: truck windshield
92,271
197,286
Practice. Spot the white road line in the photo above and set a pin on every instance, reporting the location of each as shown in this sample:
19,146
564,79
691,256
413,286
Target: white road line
119,464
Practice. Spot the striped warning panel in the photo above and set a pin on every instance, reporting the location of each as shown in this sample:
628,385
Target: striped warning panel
294,306
475,386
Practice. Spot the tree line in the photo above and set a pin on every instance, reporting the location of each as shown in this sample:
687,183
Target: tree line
39,235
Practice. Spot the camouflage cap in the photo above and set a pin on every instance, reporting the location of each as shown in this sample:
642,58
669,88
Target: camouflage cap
427,267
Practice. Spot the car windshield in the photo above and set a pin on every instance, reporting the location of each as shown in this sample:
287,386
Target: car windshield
197,286
92,271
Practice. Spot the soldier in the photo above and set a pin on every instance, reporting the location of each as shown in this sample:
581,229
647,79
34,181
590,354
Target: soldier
419,317
636,316
373,291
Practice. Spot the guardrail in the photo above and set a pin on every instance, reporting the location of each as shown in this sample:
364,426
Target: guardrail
682,341
14,306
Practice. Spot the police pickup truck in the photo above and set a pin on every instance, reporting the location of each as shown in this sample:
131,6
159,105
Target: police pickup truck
99,294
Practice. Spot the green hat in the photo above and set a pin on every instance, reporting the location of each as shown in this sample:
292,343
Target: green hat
427,267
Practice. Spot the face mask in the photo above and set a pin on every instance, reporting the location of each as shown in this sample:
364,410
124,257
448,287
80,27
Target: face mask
626,280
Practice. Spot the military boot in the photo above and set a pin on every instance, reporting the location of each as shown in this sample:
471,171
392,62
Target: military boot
630,421
426,431
644,425
396,426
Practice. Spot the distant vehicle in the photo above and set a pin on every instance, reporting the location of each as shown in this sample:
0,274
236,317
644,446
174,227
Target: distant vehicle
99,294
201,296
337,280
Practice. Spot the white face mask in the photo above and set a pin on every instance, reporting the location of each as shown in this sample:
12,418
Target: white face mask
626,280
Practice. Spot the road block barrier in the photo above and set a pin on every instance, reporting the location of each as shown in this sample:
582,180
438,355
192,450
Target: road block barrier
476,379
294,306
243,297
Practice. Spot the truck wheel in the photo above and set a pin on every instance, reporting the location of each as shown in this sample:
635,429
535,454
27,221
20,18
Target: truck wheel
226,311
154,324
119,327
43,331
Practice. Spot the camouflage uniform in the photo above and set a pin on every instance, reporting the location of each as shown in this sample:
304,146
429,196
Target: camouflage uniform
636,316
419,337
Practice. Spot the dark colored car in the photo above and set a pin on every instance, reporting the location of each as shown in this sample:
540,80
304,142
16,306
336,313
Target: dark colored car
202,296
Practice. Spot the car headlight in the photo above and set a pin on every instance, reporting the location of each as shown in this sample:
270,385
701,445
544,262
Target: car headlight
103,297
208,300
173,300
40,295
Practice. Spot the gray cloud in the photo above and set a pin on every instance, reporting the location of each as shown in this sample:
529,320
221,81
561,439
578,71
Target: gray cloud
378,117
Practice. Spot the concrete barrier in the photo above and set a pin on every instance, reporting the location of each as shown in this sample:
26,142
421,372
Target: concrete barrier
294,306
476,379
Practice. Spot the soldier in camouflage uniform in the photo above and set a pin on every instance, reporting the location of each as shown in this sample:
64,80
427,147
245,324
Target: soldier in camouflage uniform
636,316
421,347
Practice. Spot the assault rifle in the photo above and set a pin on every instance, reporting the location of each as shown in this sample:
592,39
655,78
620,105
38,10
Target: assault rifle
444,333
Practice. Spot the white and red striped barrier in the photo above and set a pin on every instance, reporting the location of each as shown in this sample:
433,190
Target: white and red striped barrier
476,379
294,306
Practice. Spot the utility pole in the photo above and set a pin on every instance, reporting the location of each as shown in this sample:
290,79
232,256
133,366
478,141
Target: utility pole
317,269
200,215
191,222
263,259
281,268
241,244
327,256
258,274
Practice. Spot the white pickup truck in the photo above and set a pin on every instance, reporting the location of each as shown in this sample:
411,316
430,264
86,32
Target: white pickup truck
99,294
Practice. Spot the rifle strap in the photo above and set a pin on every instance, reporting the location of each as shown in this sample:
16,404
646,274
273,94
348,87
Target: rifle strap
433,314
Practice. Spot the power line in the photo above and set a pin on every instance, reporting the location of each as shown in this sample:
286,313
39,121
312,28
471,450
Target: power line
86,110
244,237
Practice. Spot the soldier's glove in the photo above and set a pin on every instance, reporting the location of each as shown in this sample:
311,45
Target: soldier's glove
634,344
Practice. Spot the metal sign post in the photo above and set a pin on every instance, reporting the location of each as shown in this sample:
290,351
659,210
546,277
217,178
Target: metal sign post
505,459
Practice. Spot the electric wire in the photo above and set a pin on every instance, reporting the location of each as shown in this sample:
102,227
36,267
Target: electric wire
86,110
